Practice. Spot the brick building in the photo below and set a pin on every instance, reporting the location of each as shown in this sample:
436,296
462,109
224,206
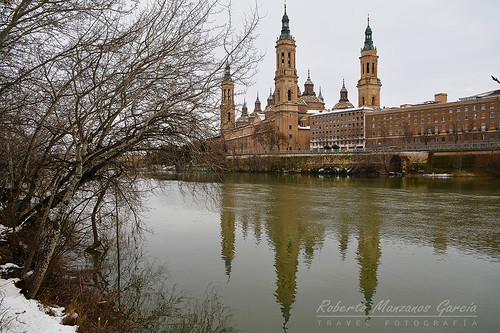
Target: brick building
471,122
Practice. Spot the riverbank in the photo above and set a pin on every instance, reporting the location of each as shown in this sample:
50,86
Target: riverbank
456,163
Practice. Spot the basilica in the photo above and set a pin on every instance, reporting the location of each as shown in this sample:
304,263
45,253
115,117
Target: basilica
295,121
284,124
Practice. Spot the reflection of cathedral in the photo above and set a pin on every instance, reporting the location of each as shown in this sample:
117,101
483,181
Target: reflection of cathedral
368,256
288,231
228,224
285,123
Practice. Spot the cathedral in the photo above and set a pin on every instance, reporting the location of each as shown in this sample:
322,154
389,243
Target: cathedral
294,121
284,124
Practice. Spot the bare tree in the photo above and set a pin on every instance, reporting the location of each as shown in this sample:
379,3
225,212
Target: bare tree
269,137
87,85
407,133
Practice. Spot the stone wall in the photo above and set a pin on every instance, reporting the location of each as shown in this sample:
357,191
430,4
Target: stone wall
485,162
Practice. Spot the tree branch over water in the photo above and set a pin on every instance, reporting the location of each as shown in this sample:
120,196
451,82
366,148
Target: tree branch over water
86,88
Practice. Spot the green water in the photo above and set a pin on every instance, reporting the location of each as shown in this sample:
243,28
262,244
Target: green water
287,252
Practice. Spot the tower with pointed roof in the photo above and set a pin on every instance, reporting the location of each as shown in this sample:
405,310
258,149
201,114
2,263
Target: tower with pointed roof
258,105
369,84
344,100
309,86
227,102
286,85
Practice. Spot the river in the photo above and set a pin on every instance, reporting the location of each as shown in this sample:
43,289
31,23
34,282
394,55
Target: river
296,253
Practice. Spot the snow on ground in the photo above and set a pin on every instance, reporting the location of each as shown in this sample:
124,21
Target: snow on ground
20,315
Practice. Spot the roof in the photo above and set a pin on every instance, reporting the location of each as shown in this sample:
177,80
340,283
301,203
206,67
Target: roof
363,108
343,105
494,93
310,99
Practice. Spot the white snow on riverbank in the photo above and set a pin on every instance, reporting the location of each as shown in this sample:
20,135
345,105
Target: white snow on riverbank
20,315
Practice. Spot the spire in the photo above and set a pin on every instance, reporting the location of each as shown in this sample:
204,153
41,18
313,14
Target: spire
343,86
368,38
227,73
309,85
309,77
344,100
244,109
285,26
320,94
257,104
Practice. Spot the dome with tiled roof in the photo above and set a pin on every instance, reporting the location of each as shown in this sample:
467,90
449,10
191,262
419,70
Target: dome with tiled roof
310,99
344,100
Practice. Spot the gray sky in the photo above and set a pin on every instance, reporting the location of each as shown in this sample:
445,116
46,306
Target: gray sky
425,46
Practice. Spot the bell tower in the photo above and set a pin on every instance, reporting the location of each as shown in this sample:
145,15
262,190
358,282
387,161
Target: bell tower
369,85
286,86
227,107
286,79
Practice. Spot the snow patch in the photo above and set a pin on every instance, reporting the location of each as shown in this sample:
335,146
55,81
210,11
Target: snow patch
18,314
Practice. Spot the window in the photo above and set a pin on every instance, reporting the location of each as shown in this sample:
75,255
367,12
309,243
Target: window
289,95
289,126
282,59
367,68
492,115
290,137
289,60
229,116
466,108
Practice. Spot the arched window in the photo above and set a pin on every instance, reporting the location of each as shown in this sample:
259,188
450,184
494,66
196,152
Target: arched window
224,94
363,101
373,100
229,116
289,60
229,95
289,95
282,59
367,68
373,67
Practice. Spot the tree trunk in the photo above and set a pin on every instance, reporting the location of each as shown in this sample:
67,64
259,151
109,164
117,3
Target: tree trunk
42,265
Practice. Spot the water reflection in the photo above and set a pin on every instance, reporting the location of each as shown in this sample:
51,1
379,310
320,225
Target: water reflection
287,227
369,251
296,214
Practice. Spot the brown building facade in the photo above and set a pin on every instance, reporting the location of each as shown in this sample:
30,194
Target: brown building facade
471,122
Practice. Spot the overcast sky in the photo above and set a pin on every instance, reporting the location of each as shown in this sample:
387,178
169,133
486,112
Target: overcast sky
424,46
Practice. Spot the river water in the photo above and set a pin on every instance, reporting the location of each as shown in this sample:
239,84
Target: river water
295,253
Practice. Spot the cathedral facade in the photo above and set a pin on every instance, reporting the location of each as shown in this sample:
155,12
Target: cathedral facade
284,124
